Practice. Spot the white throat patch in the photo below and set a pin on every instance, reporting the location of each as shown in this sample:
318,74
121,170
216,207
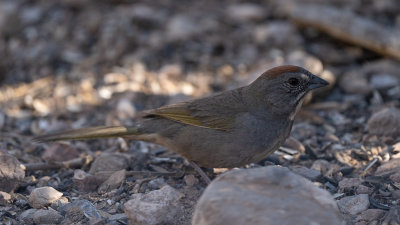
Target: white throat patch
298,106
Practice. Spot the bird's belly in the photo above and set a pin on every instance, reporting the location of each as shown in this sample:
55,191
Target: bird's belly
252,142
224,149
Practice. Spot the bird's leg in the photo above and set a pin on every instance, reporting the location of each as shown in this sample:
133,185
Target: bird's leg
201,172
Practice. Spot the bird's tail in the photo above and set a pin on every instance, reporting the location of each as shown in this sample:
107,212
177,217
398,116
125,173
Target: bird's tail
90,133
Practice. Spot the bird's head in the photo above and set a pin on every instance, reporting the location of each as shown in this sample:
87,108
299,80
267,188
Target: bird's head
283,88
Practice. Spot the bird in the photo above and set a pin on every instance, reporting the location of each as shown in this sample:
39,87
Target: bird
226,130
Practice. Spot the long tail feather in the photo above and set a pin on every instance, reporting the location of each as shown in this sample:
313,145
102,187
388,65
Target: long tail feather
89,133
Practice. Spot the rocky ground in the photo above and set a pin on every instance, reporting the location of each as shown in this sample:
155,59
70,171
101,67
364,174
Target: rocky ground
70,64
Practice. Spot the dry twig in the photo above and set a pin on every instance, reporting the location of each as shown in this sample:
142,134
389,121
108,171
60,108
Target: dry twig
73,163
347,26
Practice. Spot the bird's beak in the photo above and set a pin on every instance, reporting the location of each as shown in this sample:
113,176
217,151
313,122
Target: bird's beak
316,82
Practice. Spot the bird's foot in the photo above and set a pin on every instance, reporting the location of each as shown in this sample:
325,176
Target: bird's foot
201,172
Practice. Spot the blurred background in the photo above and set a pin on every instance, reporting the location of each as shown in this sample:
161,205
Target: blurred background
76,63
66,56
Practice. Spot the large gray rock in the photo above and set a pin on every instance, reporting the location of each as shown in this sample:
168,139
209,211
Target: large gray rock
268,195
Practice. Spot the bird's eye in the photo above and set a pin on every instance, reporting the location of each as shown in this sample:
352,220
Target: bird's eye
293,82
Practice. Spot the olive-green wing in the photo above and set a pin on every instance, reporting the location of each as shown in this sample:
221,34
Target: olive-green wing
217,112
177,112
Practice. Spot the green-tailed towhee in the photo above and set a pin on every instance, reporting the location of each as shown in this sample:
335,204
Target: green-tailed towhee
230,129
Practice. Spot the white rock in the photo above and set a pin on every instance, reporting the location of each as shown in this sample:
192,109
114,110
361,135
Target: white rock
44,196
156,207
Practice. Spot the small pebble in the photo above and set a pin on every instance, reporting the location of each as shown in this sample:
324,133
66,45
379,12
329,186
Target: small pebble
370,215
321,165
156,207
59,202
190,180
385,122
79,210
57,152
349,183
43,196
383,81
26,217
354,204
362,189
396,194
5,198
11,172
157,183
47,216
395,177
391,166
310,174
354,83
84,182
246,12
109,162
113,182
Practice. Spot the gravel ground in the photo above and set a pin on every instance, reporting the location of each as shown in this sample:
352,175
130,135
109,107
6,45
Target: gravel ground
69,64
